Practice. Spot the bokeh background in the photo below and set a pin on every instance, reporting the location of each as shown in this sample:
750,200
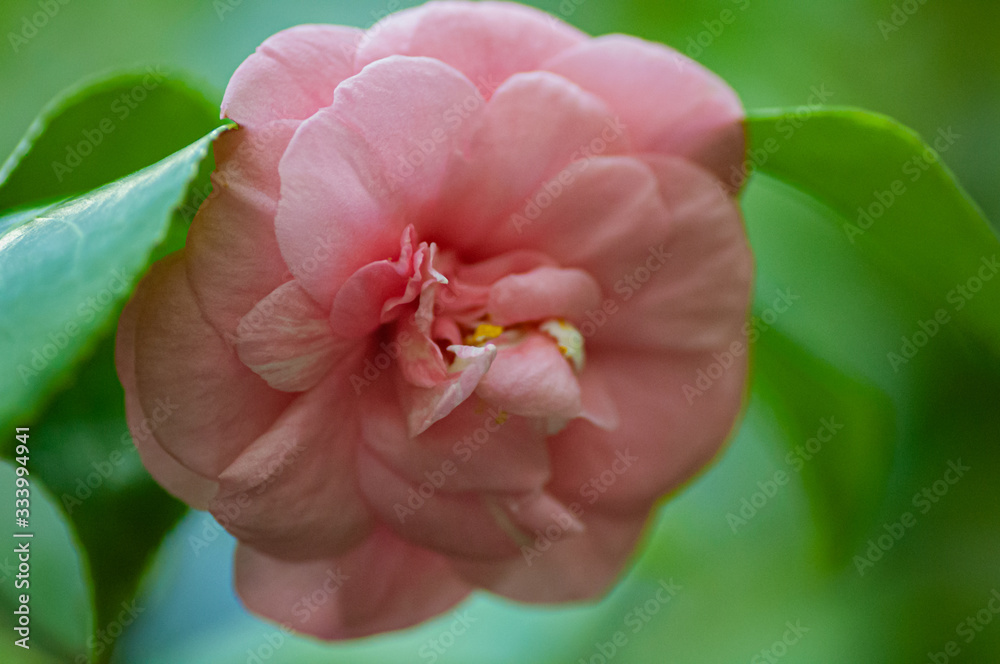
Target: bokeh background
790,570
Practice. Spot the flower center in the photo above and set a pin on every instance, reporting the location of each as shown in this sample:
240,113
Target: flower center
568,339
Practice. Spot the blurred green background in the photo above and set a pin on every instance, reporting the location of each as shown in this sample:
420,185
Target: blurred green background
792,564
940,69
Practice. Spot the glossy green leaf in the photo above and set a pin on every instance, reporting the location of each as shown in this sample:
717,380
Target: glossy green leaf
55,576
859,218
101,130
897,205
119,513
64,271
840,435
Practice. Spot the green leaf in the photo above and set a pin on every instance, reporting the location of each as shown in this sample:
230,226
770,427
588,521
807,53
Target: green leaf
840,436
102,130
854,213
65,271
59,597
897,204
120,514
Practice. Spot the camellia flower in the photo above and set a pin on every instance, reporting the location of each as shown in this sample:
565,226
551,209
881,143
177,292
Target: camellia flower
433,329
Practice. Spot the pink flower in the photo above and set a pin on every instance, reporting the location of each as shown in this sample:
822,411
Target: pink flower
437,328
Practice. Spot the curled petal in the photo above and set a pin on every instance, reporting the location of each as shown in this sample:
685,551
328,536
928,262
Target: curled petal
532,378
361,304
421,361
427,405
546,292
697,295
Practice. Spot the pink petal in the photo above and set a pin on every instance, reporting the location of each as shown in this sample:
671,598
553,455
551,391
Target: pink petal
493,269
546,292
697,295
427,405
421,362
232,254
458,524
190,487
354,169
665,432
599,406
472,525
531,378
287,341
560,122
605,205
476,448
670,104
294,493
666,246
291,75
557,566
486,41
221,406
359,306
384,584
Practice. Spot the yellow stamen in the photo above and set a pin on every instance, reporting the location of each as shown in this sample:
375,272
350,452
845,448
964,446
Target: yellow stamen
484,332
568,339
